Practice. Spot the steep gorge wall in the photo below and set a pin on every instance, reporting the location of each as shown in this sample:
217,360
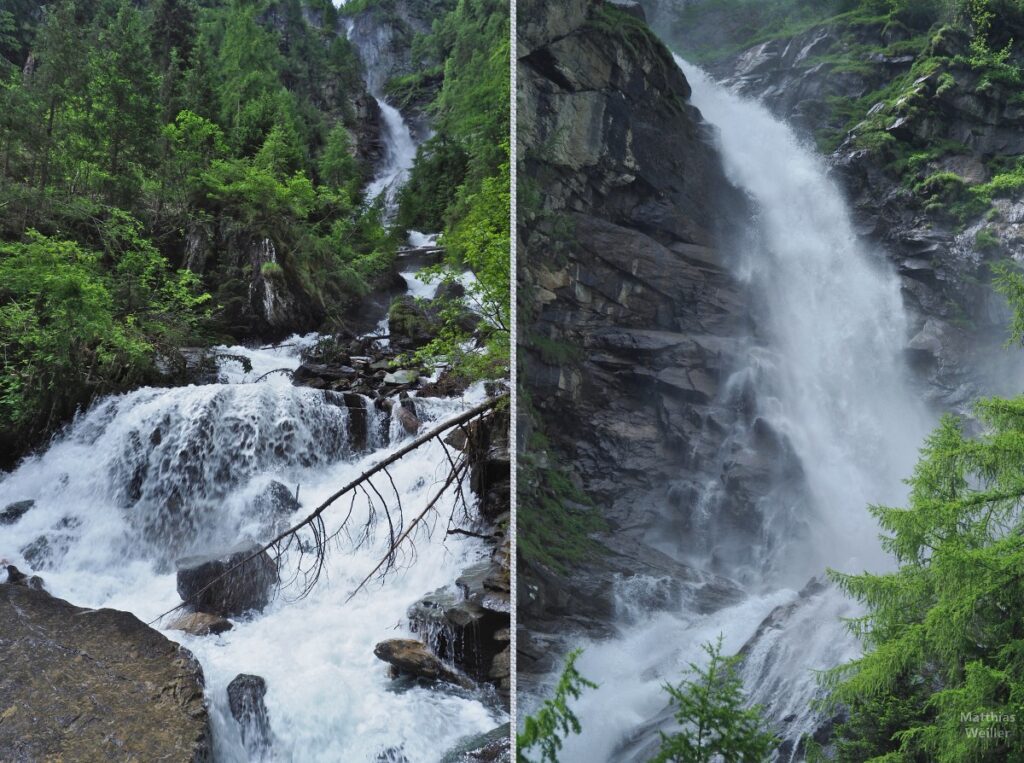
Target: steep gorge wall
631,320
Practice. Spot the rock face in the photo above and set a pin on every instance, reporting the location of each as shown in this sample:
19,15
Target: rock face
412,658
205,583
82,684
245,698
635,320
965,125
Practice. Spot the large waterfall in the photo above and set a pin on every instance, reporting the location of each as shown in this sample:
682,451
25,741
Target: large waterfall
148,476
828,370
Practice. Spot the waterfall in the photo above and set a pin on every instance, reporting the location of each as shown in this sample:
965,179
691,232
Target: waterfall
827,367
399,155
145,477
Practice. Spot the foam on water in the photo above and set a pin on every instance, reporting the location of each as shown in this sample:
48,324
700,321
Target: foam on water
145,477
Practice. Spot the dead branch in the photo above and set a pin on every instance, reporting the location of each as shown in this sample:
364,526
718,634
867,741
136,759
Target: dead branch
315,522
452,476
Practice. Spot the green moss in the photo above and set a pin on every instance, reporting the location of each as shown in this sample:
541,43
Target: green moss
986,241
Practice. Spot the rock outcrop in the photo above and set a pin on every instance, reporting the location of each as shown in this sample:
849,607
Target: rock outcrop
80,684
635,321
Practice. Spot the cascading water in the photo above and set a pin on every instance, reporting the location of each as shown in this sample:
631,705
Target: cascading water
399,155
828,371
148,476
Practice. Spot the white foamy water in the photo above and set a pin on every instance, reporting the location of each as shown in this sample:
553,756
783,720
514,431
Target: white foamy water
829,376
144,478
399,155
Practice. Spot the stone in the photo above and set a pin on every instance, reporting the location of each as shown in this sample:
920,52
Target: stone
277,501
402,376
407,418
204,581
245,699
413,658
17,577
126,692
495,746
412,324
200,624
15,511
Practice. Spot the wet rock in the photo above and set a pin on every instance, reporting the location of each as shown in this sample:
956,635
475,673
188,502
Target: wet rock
448,384
46,550
413,658
125,691
392,755
493,747
462,625
205,583
245,698
200,624
15,511
324,372
402,376
17,577
412,323
490,463
276,502
407,419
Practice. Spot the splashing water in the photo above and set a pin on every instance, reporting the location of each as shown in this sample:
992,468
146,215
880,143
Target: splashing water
145,477
829,375
399,155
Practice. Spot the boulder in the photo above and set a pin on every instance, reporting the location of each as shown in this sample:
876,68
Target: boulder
493,747
15,511
205,583
17,577
412,323
413,658
402,376
81,684
200,624
245,698
276,502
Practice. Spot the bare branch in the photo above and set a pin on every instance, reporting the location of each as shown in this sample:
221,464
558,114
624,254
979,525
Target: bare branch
315,522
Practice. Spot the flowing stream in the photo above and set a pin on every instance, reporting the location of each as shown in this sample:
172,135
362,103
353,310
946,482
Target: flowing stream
149,476
399,155
828,370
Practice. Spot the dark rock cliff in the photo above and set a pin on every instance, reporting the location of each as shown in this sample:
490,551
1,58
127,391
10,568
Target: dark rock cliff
630,319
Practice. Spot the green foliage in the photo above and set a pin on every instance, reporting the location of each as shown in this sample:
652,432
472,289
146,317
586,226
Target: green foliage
141,130
942,664
1009,281
461,178
547,729
71,328
986,241
717,725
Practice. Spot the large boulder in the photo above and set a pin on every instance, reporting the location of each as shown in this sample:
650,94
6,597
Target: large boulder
245,698
80,684
412,658
206,583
